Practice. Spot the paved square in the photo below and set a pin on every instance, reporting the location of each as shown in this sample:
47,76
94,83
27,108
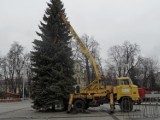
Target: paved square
23,111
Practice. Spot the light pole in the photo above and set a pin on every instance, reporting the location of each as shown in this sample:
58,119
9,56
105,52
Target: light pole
23,88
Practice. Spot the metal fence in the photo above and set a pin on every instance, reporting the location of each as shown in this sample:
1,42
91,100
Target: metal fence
148,109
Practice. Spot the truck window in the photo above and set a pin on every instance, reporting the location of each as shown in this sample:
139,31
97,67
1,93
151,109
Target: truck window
124,82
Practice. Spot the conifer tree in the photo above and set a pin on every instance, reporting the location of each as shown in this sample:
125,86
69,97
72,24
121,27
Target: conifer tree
51,60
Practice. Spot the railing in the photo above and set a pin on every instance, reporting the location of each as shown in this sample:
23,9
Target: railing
148,109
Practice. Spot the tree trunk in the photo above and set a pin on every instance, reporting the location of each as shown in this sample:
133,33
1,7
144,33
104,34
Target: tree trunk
87,70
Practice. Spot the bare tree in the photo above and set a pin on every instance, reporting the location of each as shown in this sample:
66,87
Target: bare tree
15,66
147,68
124,57
0,68
93,46
116,59
4,72
11,70
15,70
110,75
28,72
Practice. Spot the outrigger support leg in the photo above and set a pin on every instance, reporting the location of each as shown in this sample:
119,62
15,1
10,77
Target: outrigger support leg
70,103
111,103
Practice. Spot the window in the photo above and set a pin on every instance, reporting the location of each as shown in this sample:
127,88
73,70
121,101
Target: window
124,82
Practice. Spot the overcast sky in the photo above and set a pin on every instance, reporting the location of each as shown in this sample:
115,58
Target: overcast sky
111,22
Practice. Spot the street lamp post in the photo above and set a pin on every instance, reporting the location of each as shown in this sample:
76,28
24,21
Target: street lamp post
23,89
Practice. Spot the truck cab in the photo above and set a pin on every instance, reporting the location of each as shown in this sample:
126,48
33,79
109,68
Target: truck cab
127,93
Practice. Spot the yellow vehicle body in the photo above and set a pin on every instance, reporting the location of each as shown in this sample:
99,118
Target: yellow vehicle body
126,89
96,93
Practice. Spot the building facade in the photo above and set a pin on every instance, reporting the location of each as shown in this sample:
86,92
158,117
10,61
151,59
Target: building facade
78,75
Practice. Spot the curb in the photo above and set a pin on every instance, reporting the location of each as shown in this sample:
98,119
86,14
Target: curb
11,100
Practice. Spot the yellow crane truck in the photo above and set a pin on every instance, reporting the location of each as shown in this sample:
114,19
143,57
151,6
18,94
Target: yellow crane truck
96,93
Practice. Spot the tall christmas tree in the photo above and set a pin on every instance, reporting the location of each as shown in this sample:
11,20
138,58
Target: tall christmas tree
51,59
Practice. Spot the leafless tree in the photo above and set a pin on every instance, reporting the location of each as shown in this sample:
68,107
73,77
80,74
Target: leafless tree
123,57
110,74
125,60
15,65
147,68
93,46
28,72
15,70
0,67
4,72
116,59
11,70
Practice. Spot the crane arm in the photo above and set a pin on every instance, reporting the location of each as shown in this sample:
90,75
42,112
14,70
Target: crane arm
84,50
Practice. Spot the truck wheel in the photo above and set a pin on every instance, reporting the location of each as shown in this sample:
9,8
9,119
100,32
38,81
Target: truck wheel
86,105
79,105
126,105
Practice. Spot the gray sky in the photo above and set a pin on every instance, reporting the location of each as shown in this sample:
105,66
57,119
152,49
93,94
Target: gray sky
111,22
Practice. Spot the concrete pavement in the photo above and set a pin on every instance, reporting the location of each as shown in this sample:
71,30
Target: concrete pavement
12,106
22,111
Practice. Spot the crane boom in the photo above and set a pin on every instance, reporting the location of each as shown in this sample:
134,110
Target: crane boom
84,50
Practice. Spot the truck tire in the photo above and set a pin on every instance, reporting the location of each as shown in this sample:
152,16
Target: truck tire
86,105
126,105
79,105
